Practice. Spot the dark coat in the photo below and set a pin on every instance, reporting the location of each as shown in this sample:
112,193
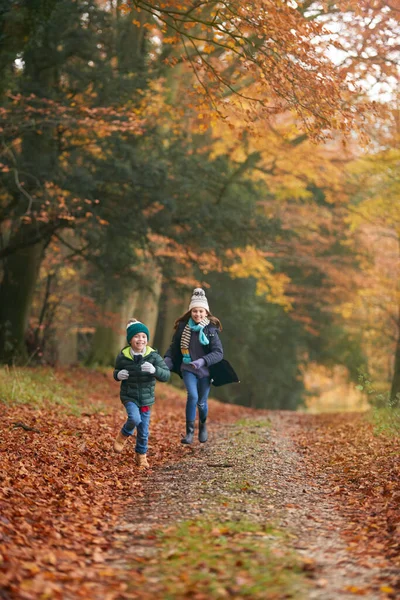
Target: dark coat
221,371
139,388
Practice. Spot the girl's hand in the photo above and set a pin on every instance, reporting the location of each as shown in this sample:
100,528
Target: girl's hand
168,362
123,374
197,364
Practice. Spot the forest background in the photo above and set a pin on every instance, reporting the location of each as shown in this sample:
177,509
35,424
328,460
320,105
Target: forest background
147,148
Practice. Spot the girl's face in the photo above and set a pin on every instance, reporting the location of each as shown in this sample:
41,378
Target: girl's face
198,314
139,342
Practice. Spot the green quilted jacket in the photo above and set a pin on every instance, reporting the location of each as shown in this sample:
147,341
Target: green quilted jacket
139,388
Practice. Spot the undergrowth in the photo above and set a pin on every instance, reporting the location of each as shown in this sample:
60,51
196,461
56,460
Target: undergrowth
43,387
385,411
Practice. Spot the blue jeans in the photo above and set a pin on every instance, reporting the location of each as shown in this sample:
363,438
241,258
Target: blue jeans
197,395
140,420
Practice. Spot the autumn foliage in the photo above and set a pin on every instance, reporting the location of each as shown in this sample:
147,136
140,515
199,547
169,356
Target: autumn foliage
362,474
63,489
64,493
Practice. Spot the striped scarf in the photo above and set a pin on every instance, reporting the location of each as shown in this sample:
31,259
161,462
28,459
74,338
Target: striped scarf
187,332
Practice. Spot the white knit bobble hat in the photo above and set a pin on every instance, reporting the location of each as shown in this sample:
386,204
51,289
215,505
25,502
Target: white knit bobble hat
199,300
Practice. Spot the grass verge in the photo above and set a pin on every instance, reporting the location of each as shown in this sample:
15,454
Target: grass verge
40,387
386,420
253,423
214,559
385,412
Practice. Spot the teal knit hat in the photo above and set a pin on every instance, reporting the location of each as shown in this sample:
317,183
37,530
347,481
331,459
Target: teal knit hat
134,328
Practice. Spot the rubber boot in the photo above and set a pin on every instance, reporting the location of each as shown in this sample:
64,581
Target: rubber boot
141,461
188,439
120,442
203,435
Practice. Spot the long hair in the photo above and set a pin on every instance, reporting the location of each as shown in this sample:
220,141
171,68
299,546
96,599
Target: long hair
186,316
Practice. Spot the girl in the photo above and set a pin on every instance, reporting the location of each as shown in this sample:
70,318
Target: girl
195,354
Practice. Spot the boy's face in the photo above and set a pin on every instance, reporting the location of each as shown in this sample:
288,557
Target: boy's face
139,342
198,314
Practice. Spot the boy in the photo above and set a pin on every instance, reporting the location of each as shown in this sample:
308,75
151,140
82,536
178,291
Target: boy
137,367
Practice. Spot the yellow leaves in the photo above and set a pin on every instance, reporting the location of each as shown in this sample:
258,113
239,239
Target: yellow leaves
208,48
387,589
377,180
290,165
346,310
252,262
67,273
353,589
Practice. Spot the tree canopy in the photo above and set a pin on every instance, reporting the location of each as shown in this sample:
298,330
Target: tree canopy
162,145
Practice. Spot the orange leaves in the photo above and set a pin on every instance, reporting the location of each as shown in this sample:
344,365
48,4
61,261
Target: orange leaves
172,39
183,254
98,121
153,209
64,490
362,473
275,44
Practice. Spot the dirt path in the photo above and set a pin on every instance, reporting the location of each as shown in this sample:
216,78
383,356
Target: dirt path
250,472
311,514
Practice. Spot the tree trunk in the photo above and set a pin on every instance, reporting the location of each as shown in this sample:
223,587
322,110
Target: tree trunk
141,305
127,312
395,390
105,342
67,312
16,291
37,160
172,305
146,309
104,348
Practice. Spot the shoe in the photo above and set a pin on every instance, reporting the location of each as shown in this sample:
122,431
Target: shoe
188,439
203,434
120,442
141,461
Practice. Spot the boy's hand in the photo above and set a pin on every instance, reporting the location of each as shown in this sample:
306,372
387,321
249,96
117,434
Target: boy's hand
197,364
148,368
123,374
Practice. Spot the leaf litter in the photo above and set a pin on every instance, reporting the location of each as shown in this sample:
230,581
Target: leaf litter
318,495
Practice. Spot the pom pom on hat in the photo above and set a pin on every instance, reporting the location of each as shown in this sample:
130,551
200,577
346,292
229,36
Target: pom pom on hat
134,328
199,300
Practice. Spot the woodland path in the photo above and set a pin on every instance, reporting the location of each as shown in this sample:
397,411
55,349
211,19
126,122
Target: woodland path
256,473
